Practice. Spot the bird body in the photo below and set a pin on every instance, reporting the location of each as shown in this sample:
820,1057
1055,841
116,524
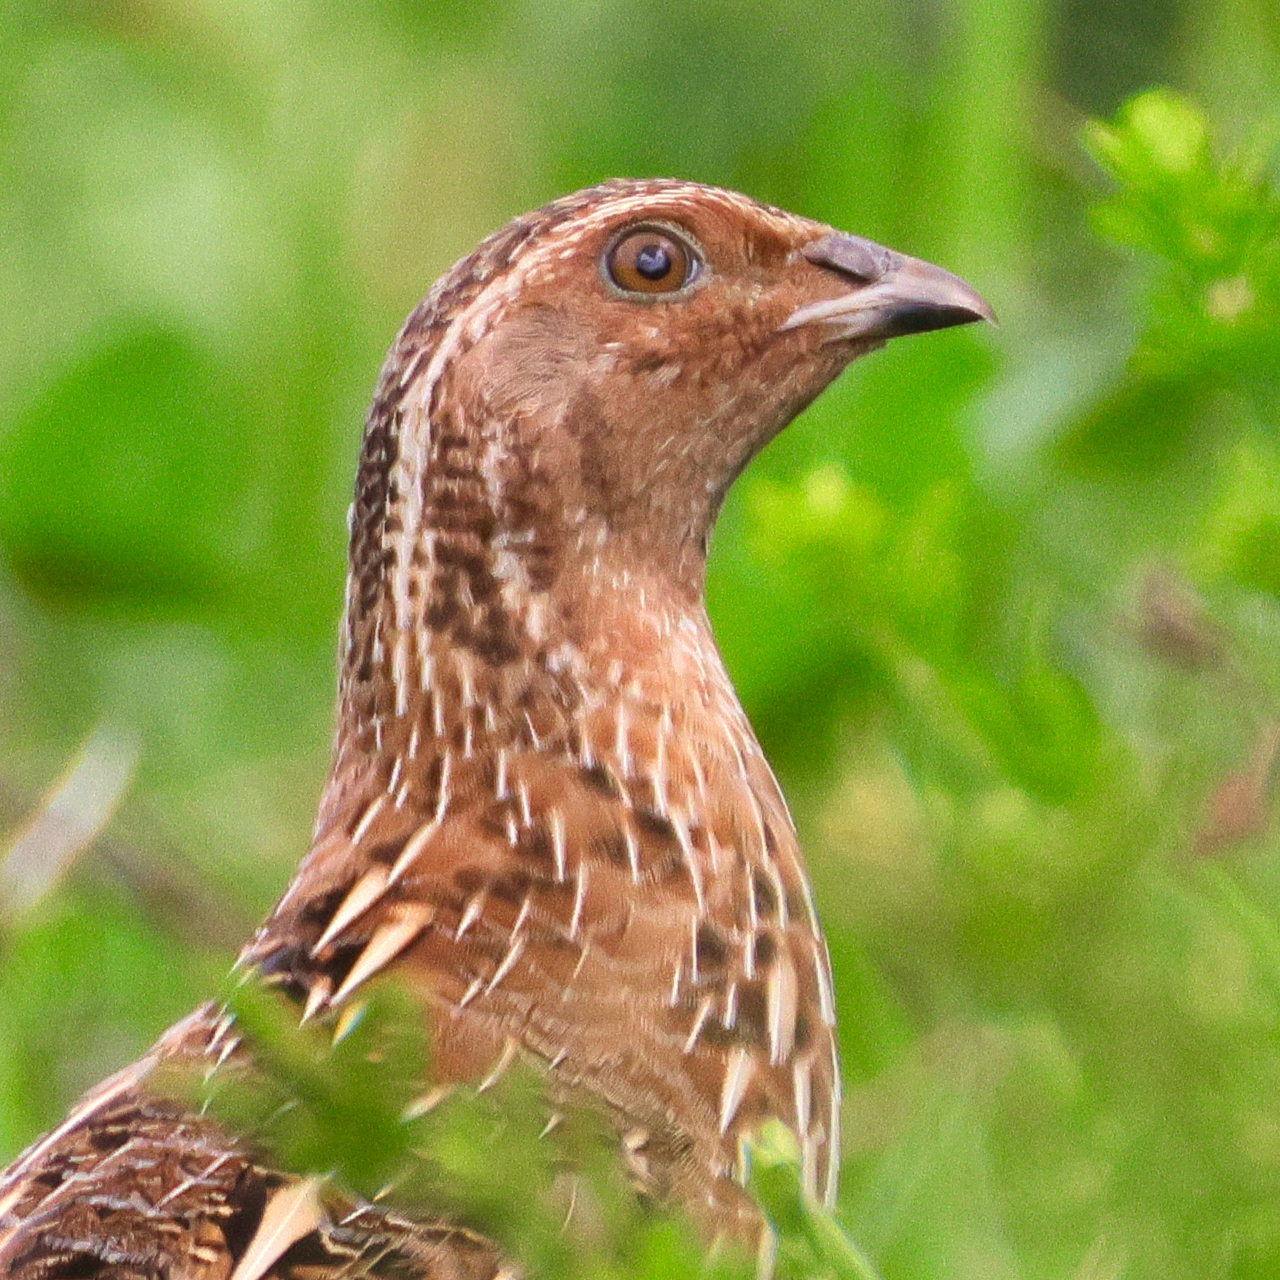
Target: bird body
547,812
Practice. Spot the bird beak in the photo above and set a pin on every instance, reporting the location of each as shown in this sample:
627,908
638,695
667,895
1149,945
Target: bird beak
891,294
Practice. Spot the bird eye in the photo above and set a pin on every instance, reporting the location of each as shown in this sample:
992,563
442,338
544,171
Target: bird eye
650,261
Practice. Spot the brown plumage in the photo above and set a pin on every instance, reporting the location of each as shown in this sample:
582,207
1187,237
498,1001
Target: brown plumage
547,811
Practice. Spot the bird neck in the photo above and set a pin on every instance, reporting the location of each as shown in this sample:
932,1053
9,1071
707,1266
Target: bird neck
484,664
491,604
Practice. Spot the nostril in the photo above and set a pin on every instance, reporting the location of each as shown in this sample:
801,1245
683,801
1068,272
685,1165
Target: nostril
852,256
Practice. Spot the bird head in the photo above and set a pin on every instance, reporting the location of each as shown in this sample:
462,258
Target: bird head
611,362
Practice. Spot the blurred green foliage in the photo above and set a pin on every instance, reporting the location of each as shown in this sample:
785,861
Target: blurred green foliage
1004,606
345,1097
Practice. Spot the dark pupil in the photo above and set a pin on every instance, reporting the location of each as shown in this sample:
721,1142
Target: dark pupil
653,261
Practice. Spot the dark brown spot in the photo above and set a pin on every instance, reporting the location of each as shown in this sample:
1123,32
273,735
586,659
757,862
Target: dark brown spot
249,1200
492,821
752,1014
289,968
432,782
458,473
387,851
111,1138
599,779
611,848
468,879
317,912
804,1032
492,643
470,563
764,896
535,843
765,950
650,362
710,947
717,1036
442,611
654,824
342,958
512,887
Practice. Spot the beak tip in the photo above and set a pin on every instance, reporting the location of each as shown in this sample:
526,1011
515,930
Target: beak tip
930,298
985,311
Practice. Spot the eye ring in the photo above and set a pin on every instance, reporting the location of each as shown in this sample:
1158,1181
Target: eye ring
649,261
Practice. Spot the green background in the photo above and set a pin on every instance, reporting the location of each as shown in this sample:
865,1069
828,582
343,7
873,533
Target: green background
1004,606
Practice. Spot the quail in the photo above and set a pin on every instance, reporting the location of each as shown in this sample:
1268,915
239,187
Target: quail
547,813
